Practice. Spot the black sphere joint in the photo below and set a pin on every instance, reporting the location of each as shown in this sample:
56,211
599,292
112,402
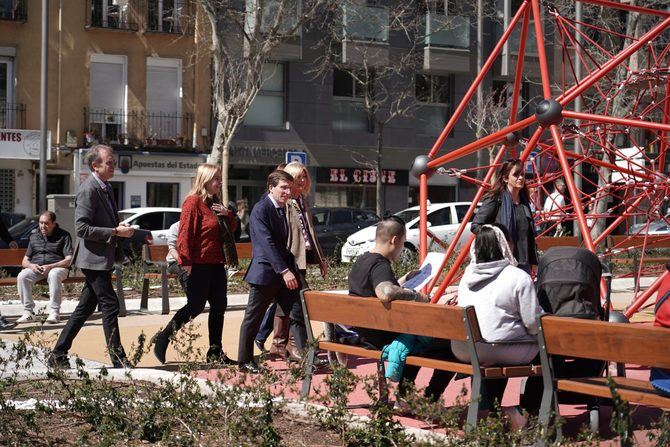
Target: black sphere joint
549,112
512,138
420,166
618,317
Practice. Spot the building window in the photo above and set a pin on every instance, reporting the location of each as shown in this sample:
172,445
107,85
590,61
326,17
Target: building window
12,115
13,10
165,15
111,14
269,106
107,118
162,194
436,97
348,101
163,98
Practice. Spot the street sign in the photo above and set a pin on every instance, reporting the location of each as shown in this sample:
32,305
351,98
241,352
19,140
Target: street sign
297,156
529,162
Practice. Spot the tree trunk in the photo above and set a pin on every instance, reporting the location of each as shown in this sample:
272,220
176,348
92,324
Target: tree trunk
378,169
221,155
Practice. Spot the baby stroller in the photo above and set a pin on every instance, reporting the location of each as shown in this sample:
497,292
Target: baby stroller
568,285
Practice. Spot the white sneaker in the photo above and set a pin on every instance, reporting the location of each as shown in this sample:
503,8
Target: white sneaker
26,317
53,318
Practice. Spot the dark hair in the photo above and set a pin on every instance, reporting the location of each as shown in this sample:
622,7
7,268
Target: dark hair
487,248
276,176
499,184
51,214
389,227
94,154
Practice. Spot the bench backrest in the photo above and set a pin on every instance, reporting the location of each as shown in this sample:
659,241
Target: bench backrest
157,253
601,340
652,241
404,317
12,257
544,243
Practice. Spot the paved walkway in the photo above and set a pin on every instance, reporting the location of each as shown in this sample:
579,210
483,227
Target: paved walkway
89,345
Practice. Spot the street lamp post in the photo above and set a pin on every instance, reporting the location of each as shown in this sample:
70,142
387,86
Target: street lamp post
42,199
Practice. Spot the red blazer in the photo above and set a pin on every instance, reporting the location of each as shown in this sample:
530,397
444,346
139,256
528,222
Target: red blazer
199,240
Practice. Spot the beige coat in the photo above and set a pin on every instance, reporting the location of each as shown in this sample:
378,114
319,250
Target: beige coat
296,241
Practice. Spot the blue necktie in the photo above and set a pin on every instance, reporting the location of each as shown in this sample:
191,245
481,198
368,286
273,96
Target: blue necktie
282,216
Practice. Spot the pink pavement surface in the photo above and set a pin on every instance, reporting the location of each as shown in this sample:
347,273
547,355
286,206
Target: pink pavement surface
575,416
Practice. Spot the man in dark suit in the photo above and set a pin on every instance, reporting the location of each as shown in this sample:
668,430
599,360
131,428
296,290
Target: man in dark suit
273,274
98,229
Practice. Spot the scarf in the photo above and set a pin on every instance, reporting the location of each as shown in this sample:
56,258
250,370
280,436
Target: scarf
507,215
502,243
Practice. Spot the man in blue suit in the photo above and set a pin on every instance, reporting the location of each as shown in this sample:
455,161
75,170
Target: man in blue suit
273,273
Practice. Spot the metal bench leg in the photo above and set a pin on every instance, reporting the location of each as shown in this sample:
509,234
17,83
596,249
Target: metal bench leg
475,397
164,290
309,370
144,299
119,291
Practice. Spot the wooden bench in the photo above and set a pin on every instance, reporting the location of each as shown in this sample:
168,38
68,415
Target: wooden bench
14,258
404,317
600,340
153,257
634,244
544,243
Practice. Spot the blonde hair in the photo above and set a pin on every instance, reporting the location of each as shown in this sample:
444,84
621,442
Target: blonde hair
205,173
295,168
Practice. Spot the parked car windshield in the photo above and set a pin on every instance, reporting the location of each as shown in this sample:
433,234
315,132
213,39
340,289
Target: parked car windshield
123,216
20,228
408,215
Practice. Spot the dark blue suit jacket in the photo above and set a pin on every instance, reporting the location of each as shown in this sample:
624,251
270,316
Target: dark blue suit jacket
269,236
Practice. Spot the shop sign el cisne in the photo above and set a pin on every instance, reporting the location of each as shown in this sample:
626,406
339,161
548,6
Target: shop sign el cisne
348,176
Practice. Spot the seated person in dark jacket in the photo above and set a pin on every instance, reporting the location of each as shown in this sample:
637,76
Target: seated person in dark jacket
372,276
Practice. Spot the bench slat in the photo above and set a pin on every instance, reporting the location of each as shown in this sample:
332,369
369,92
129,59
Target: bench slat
429,320
544,243
632,390
12,257
614,342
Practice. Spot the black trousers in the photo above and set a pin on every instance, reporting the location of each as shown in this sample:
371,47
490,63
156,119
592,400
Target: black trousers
260,297
207,282
97,290
182,276
438,349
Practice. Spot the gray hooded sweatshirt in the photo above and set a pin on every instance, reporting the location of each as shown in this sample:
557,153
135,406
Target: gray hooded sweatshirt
504,298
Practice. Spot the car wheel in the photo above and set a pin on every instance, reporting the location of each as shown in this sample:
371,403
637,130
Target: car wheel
408,254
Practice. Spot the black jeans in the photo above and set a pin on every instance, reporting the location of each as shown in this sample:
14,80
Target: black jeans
207,282
260,297
182,275
97,290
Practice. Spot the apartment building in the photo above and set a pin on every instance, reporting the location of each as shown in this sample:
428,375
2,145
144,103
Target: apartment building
123,72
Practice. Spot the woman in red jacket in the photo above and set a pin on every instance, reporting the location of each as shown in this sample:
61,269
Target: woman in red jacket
205,246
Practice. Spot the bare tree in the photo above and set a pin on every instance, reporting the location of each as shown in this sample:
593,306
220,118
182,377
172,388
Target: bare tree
380,49
244,35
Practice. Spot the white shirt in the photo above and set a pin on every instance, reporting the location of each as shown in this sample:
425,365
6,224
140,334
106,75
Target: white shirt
554,202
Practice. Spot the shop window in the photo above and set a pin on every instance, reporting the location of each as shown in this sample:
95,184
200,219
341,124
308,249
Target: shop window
118,189
268,108
436,96
348,100
163,194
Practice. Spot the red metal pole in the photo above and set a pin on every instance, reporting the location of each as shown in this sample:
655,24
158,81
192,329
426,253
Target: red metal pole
664,142
627,7
595,76
488,140
519,67
646,295
478,79
570,182
423,217
613,120
539,37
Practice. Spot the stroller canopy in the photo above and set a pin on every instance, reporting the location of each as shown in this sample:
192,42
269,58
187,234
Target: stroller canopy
568,282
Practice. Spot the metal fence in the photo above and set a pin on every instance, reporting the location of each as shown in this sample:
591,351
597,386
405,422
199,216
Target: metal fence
12,115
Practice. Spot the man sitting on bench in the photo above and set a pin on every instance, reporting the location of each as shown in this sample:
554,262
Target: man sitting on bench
372,276
48,257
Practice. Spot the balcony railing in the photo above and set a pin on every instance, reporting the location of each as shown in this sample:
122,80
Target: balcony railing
140,129
447,31
168,16
114,14
12,116
13,10
269,15
365,23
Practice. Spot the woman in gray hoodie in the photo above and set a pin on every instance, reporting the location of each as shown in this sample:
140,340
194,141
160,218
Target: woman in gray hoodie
506,304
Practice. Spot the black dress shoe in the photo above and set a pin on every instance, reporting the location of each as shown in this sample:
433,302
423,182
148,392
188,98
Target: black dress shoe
161,343
250,368
261,346
5,324
58,361
216,355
